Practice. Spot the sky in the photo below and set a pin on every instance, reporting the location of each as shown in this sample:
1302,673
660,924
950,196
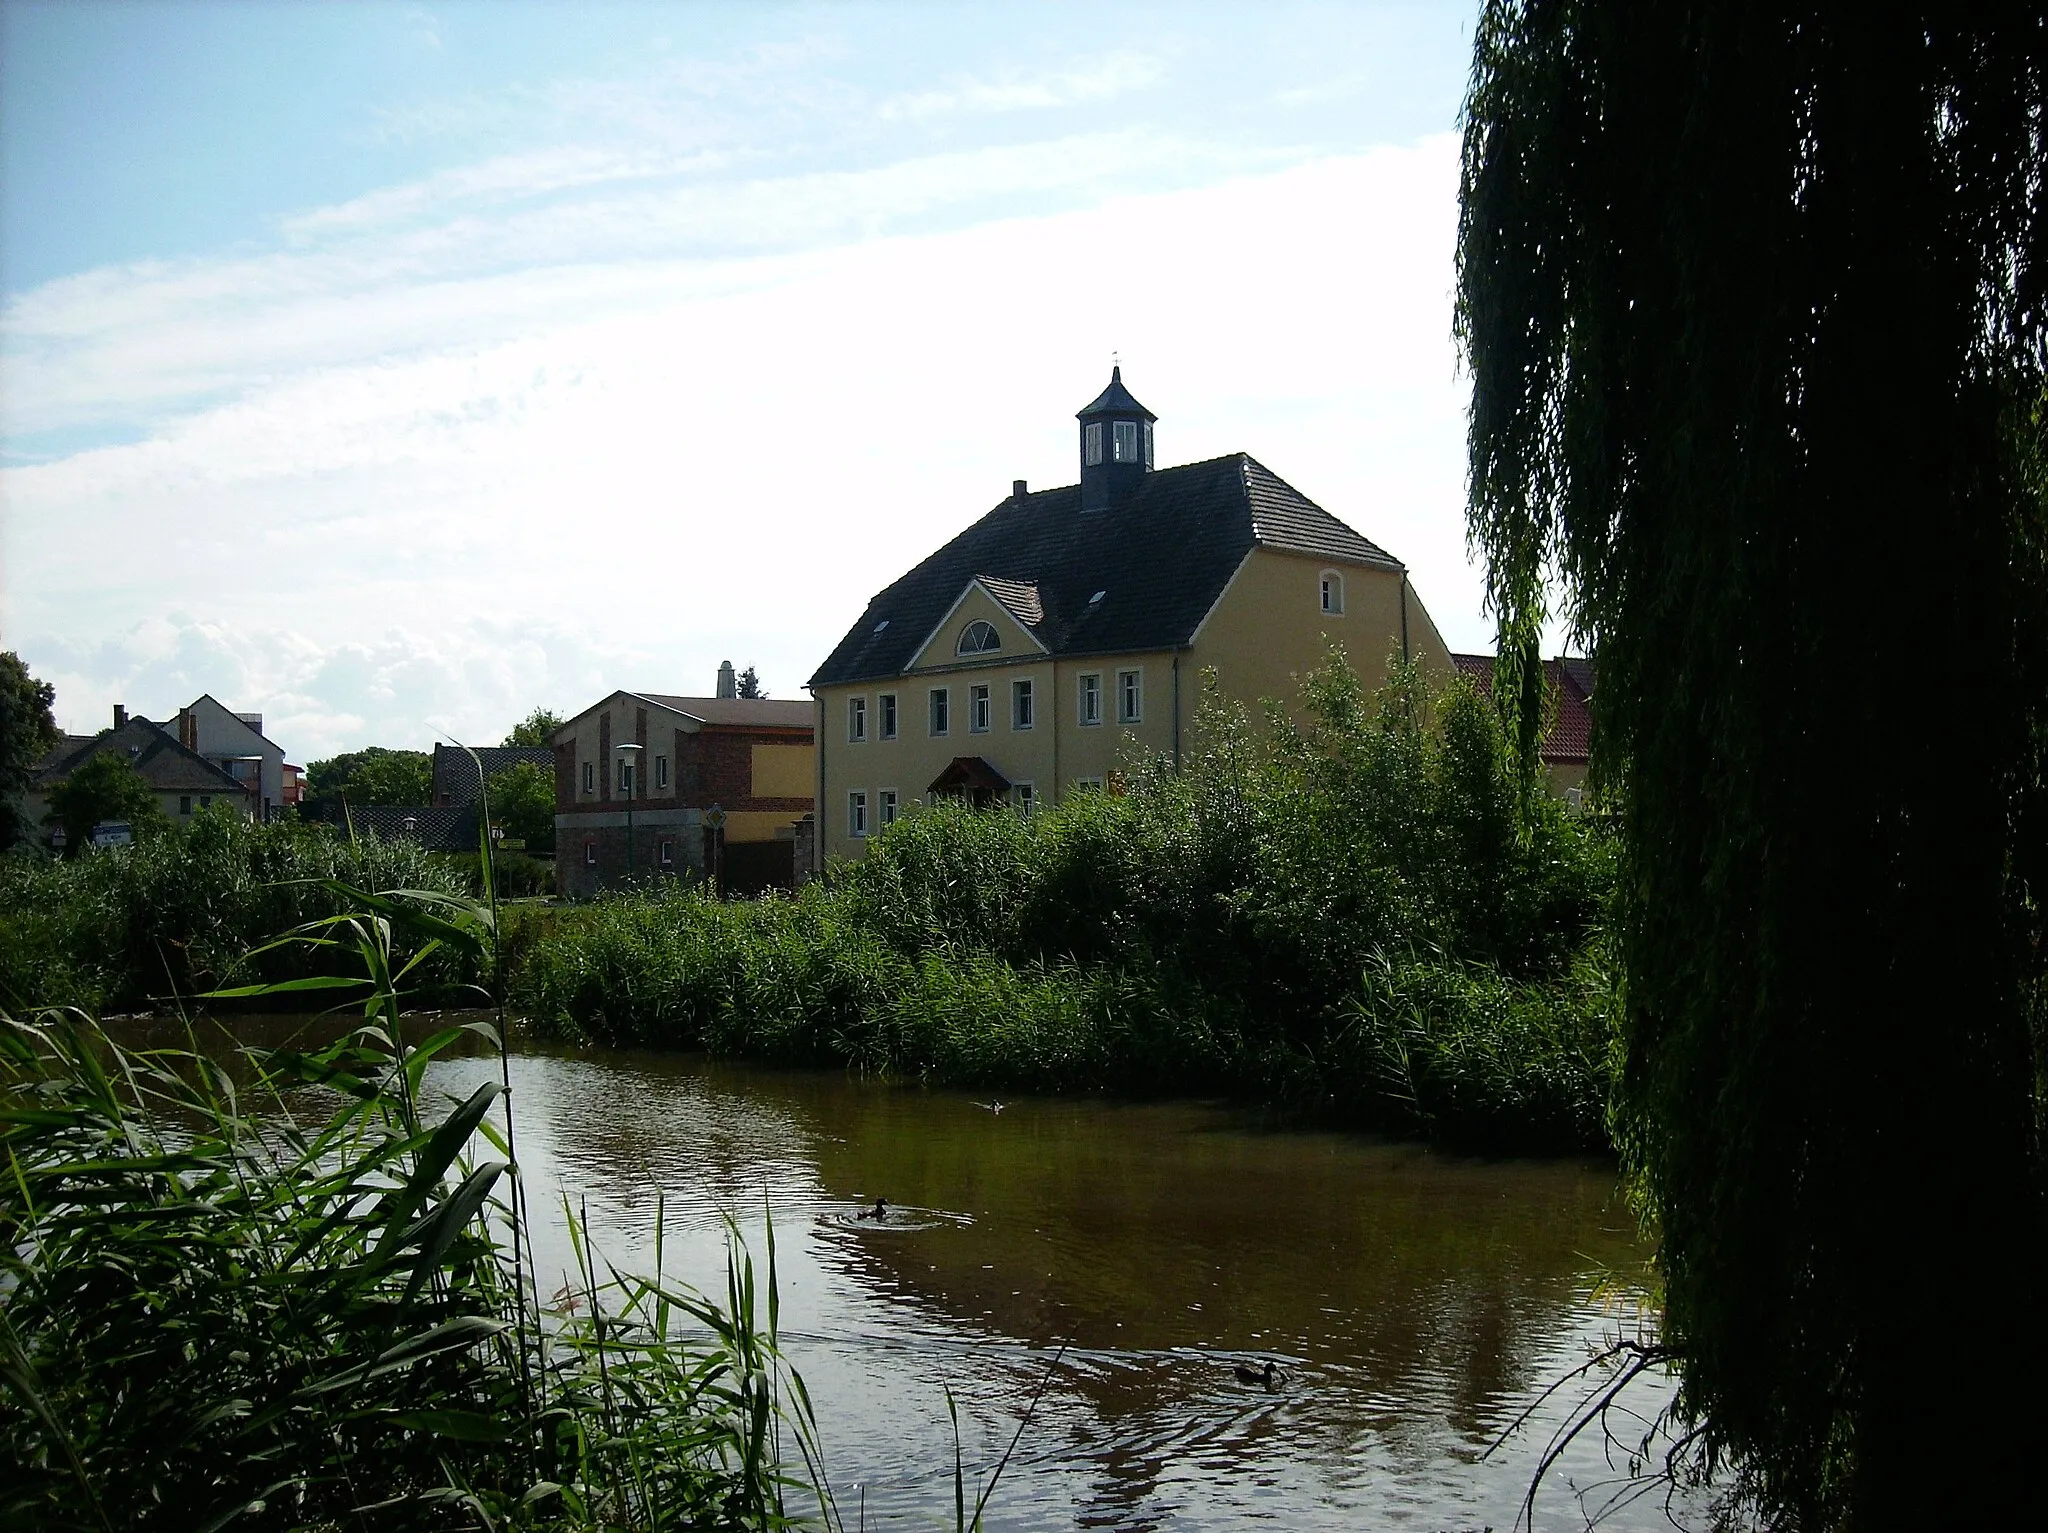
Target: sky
393,370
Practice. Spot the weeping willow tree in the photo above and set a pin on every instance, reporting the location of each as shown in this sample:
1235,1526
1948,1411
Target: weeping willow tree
1751,296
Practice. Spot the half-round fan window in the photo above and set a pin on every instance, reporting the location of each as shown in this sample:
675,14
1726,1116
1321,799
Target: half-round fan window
979,638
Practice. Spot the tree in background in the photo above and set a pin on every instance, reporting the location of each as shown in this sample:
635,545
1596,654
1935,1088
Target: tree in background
373,775
1753,300
750,684
104,788
27,734
522,800
536,729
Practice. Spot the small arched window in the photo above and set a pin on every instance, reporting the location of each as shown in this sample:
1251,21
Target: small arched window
1333,592
979,638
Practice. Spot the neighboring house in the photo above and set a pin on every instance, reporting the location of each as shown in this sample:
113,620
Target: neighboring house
235,742
456,778
294,786
749,758
184,781
1568,730
1067,630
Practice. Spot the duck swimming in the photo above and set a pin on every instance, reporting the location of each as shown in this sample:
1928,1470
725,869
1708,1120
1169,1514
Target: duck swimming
1270,1377
878,1213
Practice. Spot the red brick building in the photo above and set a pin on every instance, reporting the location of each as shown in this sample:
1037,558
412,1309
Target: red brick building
652,785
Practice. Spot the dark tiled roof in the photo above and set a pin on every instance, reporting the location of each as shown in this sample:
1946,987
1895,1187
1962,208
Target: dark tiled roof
1019,597
1115,400
455,774
150,748
442,828
1569,736
729,712
1161,557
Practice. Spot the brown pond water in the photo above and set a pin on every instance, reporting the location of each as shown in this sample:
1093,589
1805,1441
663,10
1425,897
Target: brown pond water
1416,1301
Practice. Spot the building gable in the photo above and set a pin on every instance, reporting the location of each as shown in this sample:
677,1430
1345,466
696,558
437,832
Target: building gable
981,601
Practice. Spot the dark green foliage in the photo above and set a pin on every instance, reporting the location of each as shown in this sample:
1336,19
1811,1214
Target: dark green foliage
1753,299
373,775
536,729
522,801
104,788
27,734
174,913
749,684
1281,919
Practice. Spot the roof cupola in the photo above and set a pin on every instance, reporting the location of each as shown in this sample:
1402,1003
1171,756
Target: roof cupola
1116,445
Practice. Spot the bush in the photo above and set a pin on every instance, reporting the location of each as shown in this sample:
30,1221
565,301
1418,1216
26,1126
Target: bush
1366,916
119,928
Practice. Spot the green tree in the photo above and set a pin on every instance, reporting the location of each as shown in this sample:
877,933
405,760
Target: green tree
27,734
536,729
522,800
1752,298
750,684
104,788
373,775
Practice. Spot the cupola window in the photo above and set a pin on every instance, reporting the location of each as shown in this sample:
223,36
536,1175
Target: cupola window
979,638
1126,441
1091,443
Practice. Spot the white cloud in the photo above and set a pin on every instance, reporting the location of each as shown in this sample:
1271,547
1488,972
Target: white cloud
126,345
600,475
1113,75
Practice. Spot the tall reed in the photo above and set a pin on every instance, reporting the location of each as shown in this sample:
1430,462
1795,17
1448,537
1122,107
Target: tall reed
298,1299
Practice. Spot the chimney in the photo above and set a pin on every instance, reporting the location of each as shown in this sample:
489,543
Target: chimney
728,684
1017,489
188,729
120,715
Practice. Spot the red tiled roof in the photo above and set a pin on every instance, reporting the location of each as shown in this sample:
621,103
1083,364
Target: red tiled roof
1569,680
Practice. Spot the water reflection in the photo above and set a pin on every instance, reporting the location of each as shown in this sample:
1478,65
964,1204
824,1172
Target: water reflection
1416,1301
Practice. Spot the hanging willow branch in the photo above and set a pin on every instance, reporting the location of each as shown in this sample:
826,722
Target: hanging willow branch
1752,299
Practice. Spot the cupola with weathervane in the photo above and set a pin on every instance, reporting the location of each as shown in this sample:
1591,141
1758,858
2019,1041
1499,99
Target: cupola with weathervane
1116,445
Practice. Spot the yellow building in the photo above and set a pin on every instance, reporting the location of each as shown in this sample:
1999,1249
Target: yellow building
1065,633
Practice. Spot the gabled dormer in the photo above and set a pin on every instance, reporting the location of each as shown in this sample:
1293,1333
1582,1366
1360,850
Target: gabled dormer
1116,445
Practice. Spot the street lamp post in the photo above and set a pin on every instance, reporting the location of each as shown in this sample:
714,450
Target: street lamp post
632,755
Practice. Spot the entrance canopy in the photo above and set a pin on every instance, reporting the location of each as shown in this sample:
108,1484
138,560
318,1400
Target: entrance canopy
972,778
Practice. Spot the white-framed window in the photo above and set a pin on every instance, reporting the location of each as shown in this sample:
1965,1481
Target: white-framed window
1332,585
661,771
1087,784
590,777
668,854
1091,443
1025,797
977,710
856,720
1088,700
885,806
590,854
856,813
941,710
1130,696
886,705
625,776
1126,443
979,638
1148,444
1021,704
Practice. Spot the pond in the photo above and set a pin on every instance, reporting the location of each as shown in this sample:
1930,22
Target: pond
1414,1302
